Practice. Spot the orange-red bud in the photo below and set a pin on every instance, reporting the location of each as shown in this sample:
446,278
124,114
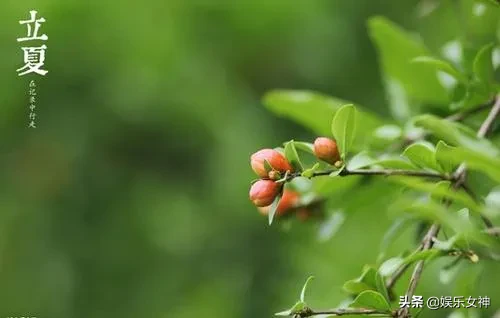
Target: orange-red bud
288,201
326,149
263,192
276,160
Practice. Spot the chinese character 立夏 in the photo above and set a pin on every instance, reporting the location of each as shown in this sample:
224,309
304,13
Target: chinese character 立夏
33,30
33,59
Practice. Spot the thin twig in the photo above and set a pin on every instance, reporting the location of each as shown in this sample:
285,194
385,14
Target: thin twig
379,172
308,312
493,231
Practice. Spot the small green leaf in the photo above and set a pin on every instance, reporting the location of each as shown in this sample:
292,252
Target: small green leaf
303,292
426,255
441,65
372,300
390,266
446,165
355,287
304,146
337,172
343,128
367,281
381,288
483,64
297,307
274,207
308,173
360,160
422,155
441,188
292,156
394,162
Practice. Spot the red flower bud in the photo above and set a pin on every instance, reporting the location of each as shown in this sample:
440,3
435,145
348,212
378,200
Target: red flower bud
263,192
276,160
288,201
326,149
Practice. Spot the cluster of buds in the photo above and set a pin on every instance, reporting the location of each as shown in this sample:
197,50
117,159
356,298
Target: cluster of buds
269,165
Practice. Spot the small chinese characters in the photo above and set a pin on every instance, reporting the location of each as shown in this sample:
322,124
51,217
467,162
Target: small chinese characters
34,56
32,106
442,302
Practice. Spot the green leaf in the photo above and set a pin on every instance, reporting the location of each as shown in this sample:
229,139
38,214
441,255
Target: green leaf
422,155
315,111
372,300
440,188
274,207
446,165
381,288
440,65
297,307
483,64
453,134
308,173
355,287
292,156
343,128
390,266
394,162
396,49
303,292
475,160
360,160
304,146
367,281
425,255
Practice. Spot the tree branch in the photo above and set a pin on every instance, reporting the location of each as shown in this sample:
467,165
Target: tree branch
379,172
308,312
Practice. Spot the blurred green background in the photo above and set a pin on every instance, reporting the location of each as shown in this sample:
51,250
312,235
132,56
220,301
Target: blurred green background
130,199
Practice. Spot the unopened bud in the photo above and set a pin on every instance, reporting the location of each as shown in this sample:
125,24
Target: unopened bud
326,149
275,159
288,202
263,192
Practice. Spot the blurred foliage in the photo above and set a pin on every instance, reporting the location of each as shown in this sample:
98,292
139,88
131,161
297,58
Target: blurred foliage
130,198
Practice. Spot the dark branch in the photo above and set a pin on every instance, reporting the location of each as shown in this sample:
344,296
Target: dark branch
308,312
